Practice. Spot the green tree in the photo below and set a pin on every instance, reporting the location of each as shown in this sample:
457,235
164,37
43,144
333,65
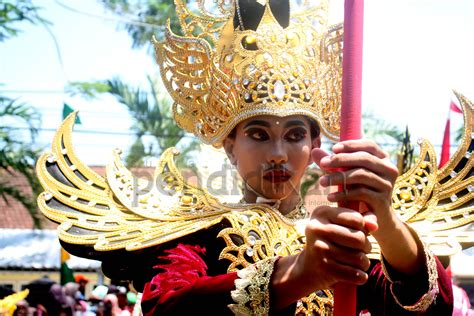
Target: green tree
153,125
17,151
151,15
17,154
380,130
13,13
150,117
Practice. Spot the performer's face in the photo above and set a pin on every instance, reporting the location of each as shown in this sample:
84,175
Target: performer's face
272,153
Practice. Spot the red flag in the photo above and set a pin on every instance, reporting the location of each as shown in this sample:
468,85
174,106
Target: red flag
446,144
453,107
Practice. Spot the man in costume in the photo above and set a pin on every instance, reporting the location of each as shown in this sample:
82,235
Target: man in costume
263,84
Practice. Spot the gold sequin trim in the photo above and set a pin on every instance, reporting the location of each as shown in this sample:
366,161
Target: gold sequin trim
430,296
251,293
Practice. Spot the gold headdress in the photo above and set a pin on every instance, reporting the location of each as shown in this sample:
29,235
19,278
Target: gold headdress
224,74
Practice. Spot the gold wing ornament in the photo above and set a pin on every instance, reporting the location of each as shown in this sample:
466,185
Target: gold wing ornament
124,212
438,203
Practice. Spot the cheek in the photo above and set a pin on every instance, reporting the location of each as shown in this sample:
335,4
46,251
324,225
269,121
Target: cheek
248,158
300,157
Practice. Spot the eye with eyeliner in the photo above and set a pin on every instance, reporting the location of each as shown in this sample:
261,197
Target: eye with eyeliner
296,134
257,134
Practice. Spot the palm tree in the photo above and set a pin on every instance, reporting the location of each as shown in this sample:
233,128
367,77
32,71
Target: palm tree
13,13
151,18
18,154
151,118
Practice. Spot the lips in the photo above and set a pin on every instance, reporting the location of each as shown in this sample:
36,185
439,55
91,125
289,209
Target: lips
277,175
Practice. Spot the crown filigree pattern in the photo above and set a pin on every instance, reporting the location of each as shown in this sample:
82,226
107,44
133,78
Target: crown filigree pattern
218,81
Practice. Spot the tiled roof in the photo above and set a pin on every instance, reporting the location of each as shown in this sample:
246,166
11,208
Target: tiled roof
14,214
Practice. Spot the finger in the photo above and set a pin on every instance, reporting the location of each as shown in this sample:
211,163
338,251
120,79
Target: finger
340,271
358,176
382,167
341,226
373,200
326,214
342,255
370,221
350,275
348,218
346,237
368,146
317,154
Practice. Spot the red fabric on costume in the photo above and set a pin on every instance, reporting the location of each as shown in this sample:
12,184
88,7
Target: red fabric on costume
184,287
375,295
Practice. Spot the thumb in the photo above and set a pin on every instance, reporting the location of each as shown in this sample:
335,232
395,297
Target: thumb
317,154
370,219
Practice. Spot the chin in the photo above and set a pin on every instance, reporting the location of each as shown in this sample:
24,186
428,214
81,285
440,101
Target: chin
277,191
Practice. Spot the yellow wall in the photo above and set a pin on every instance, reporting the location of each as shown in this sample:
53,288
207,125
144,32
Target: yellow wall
20,278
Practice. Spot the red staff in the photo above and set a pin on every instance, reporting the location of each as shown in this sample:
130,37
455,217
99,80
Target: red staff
345,295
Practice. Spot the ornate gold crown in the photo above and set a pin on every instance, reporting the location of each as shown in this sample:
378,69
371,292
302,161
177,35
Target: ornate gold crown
219,76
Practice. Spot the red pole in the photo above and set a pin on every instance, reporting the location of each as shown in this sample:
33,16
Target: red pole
344,294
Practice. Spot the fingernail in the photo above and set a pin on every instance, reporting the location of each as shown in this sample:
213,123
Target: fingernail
326,159
337,146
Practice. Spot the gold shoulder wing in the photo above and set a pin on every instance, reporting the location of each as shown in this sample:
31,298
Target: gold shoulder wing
120,211
257,232
438,203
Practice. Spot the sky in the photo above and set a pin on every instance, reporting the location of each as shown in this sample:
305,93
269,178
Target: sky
415,54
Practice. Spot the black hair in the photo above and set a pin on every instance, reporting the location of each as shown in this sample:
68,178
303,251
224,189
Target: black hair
251,13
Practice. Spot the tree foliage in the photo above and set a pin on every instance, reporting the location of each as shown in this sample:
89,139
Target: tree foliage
150,111
153,16
12,13
17,154
87,90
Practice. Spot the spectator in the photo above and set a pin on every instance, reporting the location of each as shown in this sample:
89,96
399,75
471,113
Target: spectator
111,305
82,282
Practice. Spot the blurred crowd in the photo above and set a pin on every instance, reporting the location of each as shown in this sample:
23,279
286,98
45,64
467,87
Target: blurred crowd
47,298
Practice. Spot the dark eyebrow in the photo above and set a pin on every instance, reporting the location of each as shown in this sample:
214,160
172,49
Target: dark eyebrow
294,123
257,122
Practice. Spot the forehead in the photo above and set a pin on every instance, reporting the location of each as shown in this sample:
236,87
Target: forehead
274,121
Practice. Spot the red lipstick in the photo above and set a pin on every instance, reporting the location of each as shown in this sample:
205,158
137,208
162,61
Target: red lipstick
279,175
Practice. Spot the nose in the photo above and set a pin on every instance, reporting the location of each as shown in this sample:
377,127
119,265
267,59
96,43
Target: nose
277,153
